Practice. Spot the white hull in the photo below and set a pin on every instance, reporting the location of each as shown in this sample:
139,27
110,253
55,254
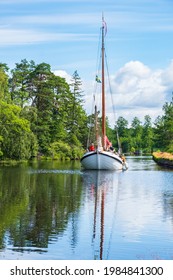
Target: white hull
101,160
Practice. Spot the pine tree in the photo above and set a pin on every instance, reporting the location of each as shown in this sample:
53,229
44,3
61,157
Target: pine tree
77,124
20,82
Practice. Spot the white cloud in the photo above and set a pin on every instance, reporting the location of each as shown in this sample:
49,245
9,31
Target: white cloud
131,21
137,91
167,77
49,19
137,85
63,74
17,36
10,37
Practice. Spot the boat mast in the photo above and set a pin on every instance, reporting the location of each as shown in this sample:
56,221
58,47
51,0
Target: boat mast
96,126
103,89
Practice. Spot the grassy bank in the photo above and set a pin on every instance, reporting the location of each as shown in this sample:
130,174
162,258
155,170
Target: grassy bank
163,158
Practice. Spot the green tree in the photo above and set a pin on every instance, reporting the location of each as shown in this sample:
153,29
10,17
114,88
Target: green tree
3,82
163,131
147,135
18,141
60,113
122,126
123,132
20,82
136,134
1,140
42,92
77,124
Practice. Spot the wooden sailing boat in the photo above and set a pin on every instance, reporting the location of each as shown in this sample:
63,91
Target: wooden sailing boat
101,157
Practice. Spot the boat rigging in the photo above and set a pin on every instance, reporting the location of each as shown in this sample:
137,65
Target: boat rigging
103,156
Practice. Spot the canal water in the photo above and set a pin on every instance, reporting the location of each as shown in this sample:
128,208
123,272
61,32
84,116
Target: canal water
56,211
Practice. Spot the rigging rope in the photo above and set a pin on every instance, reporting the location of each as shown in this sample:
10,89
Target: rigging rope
96,100
116,128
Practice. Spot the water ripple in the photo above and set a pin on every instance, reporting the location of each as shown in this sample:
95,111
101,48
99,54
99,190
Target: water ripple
55,171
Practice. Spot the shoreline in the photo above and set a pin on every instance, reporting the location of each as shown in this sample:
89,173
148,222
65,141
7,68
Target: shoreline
163,159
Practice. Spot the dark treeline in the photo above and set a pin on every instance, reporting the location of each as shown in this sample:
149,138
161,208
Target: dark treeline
42,115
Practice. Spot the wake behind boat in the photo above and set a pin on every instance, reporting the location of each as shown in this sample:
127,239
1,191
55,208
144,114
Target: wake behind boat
101,155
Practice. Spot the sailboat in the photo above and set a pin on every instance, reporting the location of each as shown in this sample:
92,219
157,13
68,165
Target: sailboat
101,156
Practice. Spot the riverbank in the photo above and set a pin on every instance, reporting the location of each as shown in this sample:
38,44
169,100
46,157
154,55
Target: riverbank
163,158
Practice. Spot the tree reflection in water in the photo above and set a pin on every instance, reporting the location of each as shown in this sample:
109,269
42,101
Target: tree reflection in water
35,207
56,211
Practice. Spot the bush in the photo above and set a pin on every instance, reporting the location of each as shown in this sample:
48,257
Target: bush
60,150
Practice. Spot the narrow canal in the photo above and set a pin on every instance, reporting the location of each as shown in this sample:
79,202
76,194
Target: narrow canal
51,210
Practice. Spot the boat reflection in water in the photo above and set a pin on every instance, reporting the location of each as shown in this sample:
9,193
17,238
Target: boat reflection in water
103,187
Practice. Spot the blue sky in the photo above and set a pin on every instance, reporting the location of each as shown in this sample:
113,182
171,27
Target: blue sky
64,33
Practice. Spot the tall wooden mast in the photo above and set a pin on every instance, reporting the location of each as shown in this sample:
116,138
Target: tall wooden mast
103,88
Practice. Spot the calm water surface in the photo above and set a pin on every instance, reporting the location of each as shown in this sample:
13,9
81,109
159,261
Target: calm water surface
57,211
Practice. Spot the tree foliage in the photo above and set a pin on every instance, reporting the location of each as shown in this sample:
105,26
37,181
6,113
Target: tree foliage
3,81
17,139
163,132
41,114
51,111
